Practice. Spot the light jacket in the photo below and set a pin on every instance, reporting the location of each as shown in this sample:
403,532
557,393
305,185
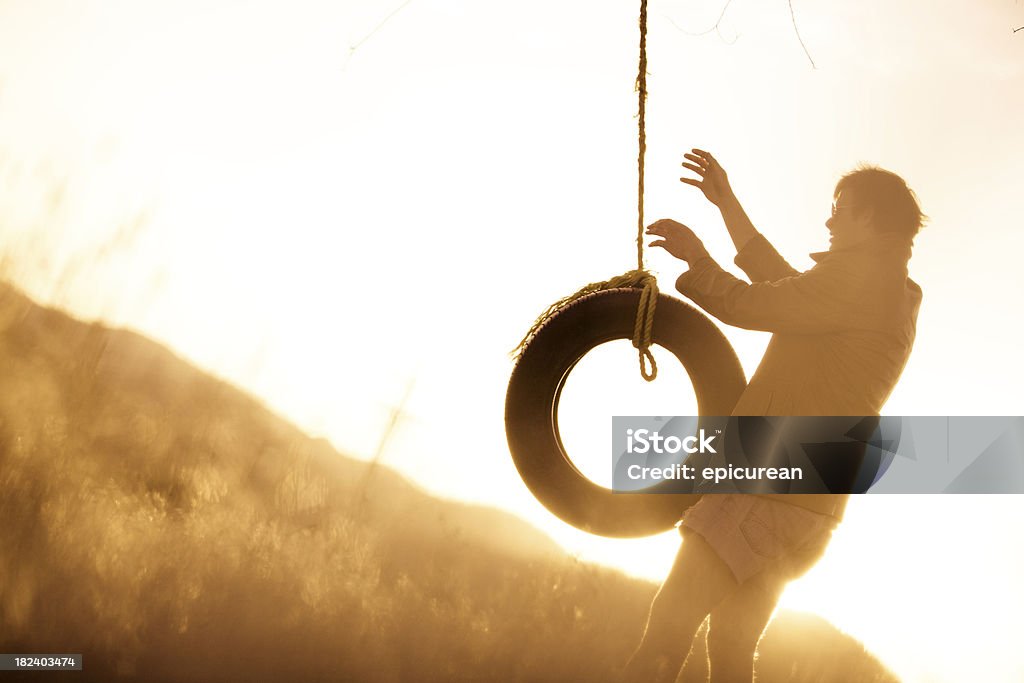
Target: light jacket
841,331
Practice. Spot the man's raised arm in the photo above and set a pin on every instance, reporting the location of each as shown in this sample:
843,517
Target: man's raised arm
754,254
822,300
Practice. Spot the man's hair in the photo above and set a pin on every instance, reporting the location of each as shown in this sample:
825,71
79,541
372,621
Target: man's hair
894,205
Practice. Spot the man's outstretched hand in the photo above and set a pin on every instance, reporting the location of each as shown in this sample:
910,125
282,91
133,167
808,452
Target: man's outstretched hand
713,182
677,239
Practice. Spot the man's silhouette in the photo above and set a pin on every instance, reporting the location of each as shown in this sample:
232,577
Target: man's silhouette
842,333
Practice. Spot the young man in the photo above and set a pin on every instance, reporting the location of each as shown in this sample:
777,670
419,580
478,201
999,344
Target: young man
842,333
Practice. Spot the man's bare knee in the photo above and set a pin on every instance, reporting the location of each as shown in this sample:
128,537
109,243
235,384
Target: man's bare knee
671,626
698,581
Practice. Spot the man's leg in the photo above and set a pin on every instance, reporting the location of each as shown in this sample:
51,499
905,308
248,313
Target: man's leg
736,626
739,620
699,580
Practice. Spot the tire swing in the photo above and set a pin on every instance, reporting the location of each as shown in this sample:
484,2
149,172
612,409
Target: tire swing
620,308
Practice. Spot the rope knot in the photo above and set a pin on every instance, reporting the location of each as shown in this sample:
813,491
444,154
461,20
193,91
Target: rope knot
644,324
633,279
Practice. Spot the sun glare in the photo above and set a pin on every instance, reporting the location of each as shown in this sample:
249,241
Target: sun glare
356,223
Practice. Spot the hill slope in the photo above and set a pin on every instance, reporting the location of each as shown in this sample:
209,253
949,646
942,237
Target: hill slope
169,527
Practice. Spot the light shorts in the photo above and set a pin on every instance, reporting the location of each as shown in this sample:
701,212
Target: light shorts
754,534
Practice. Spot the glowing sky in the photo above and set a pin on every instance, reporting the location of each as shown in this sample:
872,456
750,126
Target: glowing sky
322,225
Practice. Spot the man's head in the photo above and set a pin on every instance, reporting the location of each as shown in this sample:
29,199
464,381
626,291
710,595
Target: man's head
871,202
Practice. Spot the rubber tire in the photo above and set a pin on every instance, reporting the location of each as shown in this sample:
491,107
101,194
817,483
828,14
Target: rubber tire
534,389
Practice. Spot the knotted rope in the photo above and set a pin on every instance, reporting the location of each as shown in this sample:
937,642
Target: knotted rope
649,296
639,278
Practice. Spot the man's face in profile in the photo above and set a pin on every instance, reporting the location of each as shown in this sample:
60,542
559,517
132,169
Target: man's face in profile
848,225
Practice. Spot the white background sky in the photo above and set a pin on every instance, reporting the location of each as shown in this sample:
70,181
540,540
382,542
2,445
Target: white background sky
320,226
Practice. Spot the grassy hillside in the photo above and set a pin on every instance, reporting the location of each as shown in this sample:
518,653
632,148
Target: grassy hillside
171,528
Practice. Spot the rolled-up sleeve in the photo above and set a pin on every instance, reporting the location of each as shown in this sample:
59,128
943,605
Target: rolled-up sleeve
818,301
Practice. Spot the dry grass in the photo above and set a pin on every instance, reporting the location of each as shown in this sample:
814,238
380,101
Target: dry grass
171,529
